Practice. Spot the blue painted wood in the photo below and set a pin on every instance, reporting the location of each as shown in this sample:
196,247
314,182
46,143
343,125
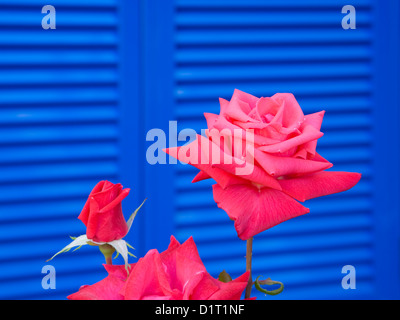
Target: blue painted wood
131,119
157,109
68,120
386,158
76,104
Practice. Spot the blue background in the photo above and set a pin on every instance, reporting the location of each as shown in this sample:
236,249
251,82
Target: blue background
76,104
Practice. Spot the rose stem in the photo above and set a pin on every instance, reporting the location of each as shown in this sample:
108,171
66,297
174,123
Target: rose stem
107,251
109,261
249,252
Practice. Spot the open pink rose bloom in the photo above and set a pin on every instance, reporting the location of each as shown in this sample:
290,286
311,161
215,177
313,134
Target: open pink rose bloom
262,154
175,274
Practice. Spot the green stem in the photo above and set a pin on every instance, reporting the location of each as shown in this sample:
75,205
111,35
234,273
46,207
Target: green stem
109,261
107,251
249,253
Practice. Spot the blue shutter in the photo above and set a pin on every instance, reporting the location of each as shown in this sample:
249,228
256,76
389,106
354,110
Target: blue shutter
61,131
264,47
76,102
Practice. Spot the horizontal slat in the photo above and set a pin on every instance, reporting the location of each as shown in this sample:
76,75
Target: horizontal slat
66,133
349,120
273,54
48,172
58,209
39,229
85,38
275,36
285,19
20,17
303,88
57,57
273,72
46,191
70,114
53,95
106,4
58,152
345,138
57,76
309,5
347,154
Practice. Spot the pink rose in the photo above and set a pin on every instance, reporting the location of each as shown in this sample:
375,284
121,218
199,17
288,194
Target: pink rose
107,289
282,156
102,213
175,274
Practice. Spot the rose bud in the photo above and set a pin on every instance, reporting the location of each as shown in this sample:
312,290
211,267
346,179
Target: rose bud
102,212
104,221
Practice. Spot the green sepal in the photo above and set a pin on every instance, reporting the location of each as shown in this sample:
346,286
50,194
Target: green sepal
224,277
77,242
133,215
129,246
77,248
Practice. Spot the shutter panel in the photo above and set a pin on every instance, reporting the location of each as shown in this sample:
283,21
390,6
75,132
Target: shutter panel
59,135
264,47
